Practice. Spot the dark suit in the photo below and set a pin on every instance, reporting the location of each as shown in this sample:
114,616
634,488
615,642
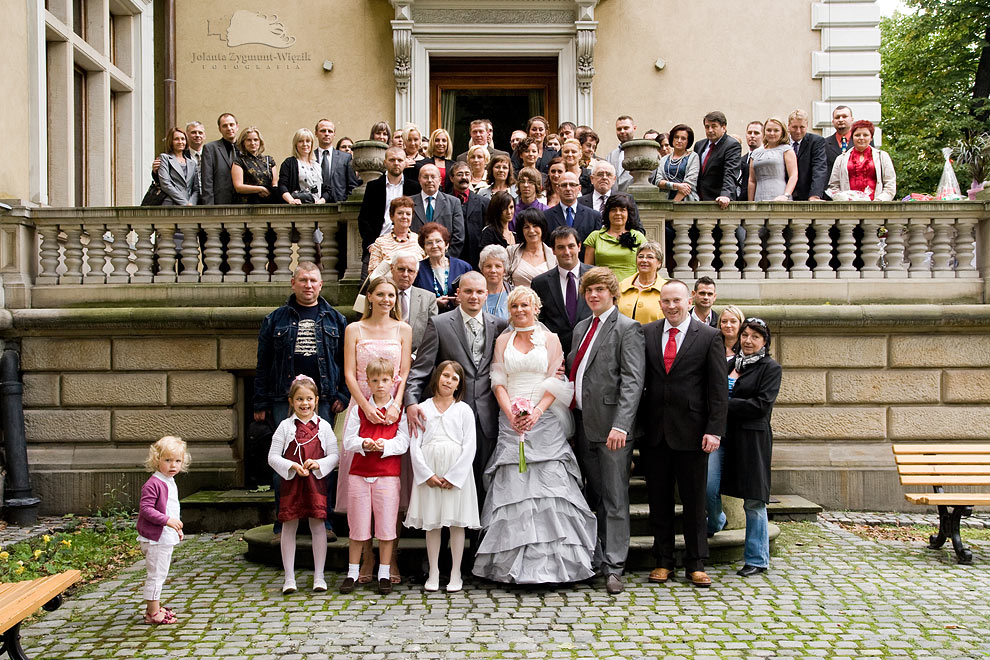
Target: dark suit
744,176
473,210
589,201
371,217
721,176
339,175
217,184
833,149
553,314
288,180
447,212
812,168
676,411
586,220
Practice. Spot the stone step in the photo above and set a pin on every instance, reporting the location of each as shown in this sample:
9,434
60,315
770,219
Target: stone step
263,547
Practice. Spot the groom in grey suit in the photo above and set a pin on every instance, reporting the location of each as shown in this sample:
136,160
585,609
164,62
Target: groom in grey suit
449,337
607,365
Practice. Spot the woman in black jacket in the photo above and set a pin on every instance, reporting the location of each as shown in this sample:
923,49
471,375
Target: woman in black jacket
300,177
753,386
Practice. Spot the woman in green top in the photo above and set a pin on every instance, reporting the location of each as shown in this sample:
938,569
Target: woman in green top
614,245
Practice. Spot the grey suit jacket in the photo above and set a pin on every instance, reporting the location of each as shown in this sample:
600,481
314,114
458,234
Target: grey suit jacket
612,382
339,175
622,178
422,307
446,339
446,211
218,186
181,184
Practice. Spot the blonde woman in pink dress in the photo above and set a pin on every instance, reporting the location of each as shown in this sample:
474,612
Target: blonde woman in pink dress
379,333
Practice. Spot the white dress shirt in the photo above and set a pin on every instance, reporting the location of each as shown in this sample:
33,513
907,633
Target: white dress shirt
679,337
579,376
392,191
705,320
563,280
597,199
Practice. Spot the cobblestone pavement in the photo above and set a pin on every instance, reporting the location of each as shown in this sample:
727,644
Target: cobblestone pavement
829,594
975,521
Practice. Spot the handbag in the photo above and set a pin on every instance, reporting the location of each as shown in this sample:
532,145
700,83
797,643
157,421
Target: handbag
155,195
304,196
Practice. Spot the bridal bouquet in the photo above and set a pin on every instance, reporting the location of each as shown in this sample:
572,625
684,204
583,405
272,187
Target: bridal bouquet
520,408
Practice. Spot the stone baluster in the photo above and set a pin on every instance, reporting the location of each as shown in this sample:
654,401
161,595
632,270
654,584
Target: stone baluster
328,250
352,271
706,246
752,249
96,255
73,255
212,253
48,255
896,268
943,262
682,248
823,249
918,248
189,253
307,246
283,251
965,248
236,252
776,248
119,255
799,248
872,252
729,249
847,249
258,255
165,246
144,254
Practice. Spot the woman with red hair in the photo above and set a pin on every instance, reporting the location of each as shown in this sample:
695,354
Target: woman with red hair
864,167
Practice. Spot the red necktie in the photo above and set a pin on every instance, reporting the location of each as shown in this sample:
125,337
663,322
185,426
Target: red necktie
708,156
670,350
581,351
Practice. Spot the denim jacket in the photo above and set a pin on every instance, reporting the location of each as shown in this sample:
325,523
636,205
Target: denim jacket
276,342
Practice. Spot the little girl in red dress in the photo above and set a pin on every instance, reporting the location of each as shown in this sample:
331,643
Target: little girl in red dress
303,453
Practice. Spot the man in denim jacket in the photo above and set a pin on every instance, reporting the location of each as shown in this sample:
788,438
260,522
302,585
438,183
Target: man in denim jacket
303,336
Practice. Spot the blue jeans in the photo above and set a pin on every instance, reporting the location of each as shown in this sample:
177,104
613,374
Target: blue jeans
713,499
757,549
280,411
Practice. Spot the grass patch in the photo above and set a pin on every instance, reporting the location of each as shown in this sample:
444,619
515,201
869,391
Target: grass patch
908,533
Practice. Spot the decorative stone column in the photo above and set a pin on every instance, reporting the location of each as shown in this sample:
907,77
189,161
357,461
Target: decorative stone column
369,162
402,42
586,26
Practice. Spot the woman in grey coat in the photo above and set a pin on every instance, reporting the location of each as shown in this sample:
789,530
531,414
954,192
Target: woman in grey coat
177,172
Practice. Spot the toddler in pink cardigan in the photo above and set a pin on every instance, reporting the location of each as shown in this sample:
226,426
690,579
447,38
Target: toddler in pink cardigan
158,525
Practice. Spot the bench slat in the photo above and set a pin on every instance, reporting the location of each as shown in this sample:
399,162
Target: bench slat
944,469
949,499
31,595
957,448
945,480
943,459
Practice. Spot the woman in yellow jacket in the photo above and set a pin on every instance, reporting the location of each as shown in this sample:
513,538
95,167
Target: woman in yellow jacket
639,295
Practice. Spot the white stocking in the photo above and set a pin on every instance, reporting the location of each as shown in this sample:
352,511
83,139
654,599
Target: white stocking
433,554
319,533
287,542
456,552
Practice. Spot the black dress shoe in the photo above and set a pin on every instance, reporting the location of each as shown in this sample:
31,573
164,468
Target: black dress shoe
347,586
613,585
748,570
384,586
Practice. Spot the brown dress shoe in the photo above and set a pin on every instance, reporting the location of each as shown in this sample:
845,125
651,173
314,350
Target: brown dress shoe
700,579
384,586
660,575
347,586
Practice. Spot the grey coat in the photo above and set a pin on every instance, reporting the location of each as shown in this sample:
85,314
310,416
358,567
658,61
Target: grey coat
446,211
179,182
339,175
612,383
422,307
218,186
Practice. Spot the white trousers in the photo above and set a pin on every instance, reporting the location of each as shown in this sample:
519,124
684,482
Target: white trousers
157,559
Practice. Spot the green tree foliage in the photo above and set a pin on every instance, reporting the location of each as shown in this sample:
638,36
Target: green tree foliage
936,78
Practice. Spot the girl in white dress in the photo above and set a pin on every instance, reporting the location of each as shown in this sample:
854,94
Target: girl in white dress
444,494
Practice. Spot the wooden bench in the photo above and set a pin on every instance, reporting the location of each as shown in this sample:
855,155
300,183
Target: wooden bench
938,466
19,600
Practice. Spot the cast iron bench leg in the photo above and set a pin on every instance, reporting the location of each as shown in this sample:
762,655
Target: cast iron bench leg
963,554
936,541
12,638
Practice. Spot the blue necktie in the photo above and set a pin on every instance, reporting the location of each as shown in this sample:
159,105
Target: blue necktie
570,217
429,209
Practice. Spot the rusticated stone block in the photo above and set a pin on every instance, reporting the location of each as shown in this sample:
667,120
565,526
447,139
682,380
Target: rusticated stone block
41,390
966,386
112,389
200,388
58,354
238,352
939,423
798,386
883,386
151,424
829,423
931,350
162,353
833,351
67,425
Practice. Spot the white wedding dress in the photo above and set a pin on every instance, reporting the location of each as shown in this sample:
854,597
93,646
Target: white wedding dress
538,527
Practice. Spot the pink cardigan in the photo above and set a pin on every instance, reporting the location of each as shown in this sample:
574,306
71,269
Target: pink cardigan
151,514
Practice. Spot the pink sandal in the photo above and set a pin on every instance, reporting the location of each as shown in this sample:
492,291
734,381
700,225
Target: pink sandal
161,617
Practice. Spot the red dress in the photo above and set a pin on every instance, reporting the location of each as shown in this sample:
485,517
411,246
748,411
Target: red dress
303,497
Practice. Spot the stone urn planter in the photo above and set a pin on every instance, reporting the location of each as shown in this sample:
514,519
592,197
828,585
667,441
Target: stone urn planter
369,162
641,158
